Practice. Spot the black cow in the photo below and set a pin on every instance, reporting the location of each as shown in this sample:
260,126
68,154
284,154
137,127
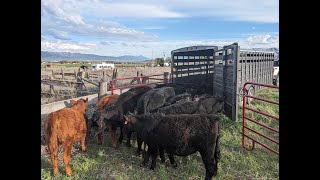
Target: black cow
149,101
180,135
179,98
154,99
113,114
208,106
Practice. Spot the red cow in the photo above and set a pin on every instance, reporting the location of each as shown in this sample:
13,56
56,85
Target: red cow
66,126
108,100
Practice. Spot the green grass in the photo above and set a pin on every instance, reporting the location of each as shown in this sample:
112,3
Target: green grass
104,162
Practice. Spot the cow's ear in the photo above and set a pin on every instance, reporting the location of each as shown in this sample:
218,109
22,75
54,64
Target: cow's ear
125,119
73,102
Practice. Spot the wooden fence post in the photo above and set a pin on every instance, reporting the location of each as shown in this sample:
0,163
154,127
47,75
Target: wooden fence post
62,73
138,79
53,76
166,77
103,88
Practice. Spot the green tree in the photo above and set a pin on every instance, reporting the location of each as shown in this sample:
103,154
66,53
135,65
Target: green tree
159,61
64,62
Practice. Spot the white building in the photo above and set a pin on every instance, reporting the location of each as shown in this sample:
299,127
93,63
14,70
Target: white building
166,64
101,66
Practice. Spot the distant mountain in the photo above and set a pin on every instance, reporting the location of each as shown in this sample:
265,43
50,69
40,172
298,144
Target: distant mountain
59,56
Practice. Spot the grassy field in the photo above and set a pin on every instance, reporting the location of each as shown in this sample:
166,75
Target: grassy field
103,162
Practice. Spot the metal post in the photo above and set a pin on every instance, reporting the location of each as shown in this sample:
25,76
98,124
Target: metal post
166,77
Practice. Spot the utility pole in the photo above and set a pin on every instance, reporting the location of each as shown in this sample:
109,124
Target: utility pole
152,62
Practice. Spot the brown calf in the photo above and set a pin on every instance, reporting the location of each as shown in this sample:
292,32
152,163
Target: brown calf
66,126
108,100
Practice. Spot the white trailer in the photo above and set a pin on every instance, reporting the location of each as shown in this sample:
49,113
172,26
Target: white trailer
102,66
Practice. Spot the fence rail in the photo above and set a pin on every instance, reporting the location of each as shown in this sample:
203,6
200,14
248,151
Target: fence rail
141,81
245,118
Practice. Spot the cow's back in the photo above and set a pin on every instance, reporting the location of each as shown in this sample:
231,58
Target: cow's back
154,99
66,124
107,100
182,107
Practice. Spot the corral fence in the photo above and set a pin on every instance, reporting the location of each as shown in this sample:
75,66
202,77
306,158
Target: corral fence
140,81
245,118
79,82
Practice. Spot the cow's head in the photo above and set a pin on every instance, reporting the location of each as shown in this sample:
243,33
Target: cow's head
219,105
73,102
129,121
98,119
196,98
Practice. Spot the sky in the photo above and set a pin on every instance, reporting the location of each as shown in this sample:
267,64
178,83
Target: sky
153,28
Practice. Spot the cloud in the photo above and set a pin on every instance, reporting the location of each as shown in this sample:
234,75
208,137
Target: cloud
61,46
156,48
266,11
63,18
263,40
130,9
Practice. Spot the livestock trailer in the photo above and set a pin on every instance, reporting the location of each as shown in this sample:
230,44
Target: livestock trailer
222,71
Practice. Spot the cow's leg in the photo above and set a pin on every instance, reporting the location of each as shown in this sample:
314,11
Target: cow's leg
172,161
67,148
100,138
161,152
121,135
53,149
154,154
209,162
83,140
112,136
129,138
139,141
146,158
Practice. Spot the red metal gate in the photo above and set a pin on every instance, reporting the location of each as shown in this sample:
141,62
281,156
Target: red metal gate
245,118
142,81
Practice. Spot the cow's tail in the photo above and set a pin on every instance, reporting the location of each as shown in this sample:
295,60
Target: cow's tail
217,152
145,105
48,129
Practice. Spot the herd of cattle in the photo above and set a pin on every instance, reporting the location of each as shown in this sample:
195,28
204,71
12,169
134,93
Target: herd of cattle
176,124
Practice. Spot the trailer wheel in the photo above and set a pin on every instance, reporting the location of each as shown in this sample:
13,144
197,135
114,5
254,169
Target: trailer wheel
251,92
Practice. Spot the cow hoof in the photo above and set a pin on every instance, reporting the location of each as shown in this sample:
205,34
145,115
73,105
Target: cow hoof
138,153
143,164
99,143
175,165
